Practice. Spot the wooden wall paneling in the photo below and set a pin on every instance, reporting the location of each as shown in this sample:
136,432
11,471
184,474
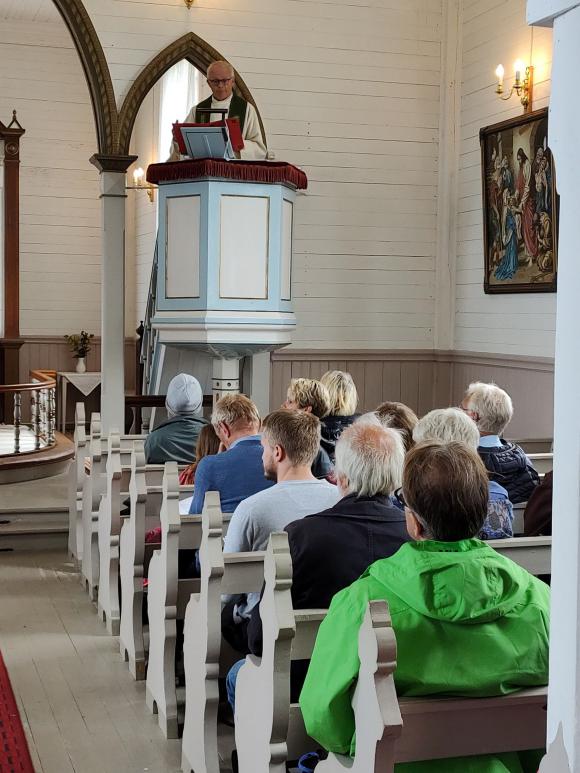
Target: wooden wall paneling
391,381
373,387
425,380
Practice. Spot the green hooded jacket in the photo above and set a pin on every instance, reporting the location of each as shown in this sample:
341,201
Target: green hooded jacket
468,621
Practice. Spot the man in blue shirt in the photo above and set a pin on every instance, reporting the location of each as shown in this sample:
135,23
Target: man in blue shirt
238,472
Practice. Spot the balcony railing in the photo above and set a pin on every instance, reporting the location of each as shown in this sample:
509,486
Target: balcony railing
36,399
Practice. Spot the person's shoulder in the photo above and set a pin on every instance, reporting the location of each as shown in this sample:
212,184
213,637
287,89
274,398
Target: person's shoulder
261,500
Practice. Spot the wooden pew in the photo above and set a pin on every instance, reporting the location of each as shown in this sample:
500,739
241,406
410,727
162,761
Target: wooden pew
76,481
531,553
390,730
270,730
167,597
221,573
118,474
146,494
93,488
542,462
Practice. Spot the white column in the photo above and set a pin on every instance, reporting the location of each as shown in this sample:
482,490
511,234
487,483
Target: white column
225,377
564,690
260,382
446,255
112,169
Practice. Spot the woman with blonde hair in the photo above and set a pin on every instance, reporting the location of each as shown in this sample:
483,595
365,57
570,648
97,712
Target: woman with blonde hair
343,403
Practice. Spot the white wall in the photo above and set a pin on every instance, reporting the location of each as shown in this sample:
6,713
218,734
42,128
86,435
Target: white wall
41,76
494,32
350,93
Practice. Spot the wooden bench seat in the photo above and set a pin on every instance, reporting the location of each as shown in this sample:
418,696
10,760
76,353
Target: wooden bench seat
204,656
146,497
270,730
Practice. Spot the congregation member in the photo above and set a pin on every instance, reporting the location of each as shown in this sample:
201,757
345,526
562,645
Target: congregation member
290,441
491,409
538,512
398,416
452,425
221,80
310,395
468,621
208,444
236,473
331,549
175,439
343,400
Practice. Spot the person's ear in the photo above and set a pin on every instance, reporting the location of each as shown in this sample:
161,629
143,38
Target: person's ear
308,409
342,482
279,454
414,526
224,429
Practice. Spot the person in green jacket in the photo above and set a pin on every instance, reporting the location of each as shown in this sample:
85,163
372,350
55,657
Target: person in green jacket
468,621
174,440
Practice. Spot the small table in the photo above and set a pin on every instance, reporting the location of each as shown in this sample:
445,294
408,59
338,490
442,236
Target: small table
84,382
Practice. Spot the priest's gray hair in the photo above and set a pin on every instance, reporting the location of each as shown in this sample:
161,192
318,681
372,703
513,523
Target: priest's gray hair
448,425
224,64
371,458
493,406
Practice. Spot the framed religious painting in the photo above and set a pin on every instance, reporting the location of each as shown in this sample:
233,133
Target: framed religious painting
520,206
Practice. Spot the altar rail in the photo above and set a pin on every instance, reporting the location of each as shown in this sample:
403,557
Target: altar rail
38,434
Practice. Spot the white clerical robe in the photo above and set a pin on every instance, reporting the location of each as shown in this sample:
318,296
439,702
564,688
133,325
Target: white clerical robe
254,148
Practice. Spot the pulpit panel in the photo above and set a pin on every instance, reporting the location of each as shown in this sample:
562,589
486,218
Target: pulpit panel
182,246
286,251
244,247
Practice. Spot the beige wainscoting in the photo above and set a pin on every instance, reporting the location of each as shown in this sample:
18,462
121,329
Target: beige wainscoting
53,353
425,379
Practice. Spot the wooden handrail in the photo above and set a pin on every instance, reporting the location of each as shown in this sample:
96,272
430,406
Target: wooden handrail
45,381
157,401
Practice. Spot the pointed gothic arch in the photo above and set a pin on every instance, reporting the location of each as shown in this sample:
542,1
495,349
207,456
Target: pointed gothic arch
96,70
198,53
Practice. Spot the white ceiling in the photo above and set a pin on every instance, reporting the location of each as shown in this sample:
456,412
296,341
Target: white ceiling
29,10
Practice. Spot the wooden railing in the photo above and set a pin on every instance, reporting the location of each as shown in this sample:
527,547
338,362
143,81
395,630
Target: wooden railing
39,433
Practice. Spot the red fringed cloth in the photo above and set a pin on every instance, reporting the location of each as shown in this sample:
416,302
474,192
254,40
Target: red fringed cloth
14,754
273,172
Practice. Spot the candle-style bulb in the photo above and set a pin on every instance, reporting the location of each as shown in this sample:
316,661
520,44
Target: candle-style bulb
499,73
519,67
138,175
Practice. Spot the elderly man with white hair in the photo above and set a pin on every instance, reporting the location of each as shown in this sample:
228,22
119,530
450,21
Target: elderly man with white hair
491,409
451,425
175,439
221,80
332,548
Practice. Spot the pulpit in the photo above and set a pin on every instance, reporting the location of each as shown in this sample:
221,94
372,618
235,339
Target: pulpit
222,279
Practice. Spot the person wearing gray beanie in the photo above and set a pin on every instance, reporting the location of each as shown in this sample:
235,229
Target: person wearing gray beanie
175,439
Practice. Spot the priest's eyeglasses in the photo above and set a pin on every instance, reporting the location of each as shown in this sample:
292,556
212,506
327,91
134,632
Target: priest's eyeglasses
219,81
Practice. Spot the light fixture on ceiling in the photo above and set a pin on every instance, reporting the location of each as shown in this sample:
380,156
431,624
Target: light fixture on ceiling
523,87
188,3
139,184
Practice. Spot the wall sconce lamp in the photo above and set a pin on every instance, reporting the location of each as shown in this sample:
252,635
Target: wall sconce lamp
524,88
139,184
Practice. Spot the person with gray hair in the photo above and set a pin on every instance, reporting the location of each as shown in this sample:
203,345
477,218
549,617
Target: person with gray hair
221,78
332,548
451,425
175,439
491,408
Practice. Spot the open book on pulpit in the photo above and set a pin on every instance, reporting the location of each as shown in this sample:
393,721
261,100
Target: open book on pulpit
218,139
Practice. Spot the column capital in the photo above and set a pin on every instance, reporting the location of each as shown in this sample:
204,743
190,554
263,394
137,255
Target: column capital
11,135
109,163
541,13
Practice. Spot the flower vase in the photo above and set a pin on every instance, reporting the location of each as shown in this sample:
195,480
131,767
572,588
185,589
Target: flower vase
81,365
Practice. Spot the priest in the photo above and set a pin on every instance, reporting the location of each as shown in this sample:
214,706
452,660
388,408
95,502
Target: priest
220,79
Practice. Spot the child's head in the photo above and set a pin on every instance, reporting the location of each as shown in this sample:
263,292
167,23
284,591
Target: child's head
208,442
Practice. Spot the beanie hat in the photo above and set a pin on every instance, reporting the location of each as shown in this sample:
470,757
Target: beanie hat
184,396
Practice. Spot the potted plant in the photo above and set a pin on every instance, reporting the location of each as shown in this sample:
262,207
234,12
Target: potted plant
80,346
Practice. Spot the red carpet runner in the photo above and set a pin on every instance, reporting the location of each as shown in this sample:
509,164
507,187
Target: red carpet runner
14,754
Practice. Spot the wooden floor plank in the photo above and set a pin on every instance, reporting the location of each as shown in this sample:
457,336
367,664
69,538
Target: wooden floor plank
81,710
